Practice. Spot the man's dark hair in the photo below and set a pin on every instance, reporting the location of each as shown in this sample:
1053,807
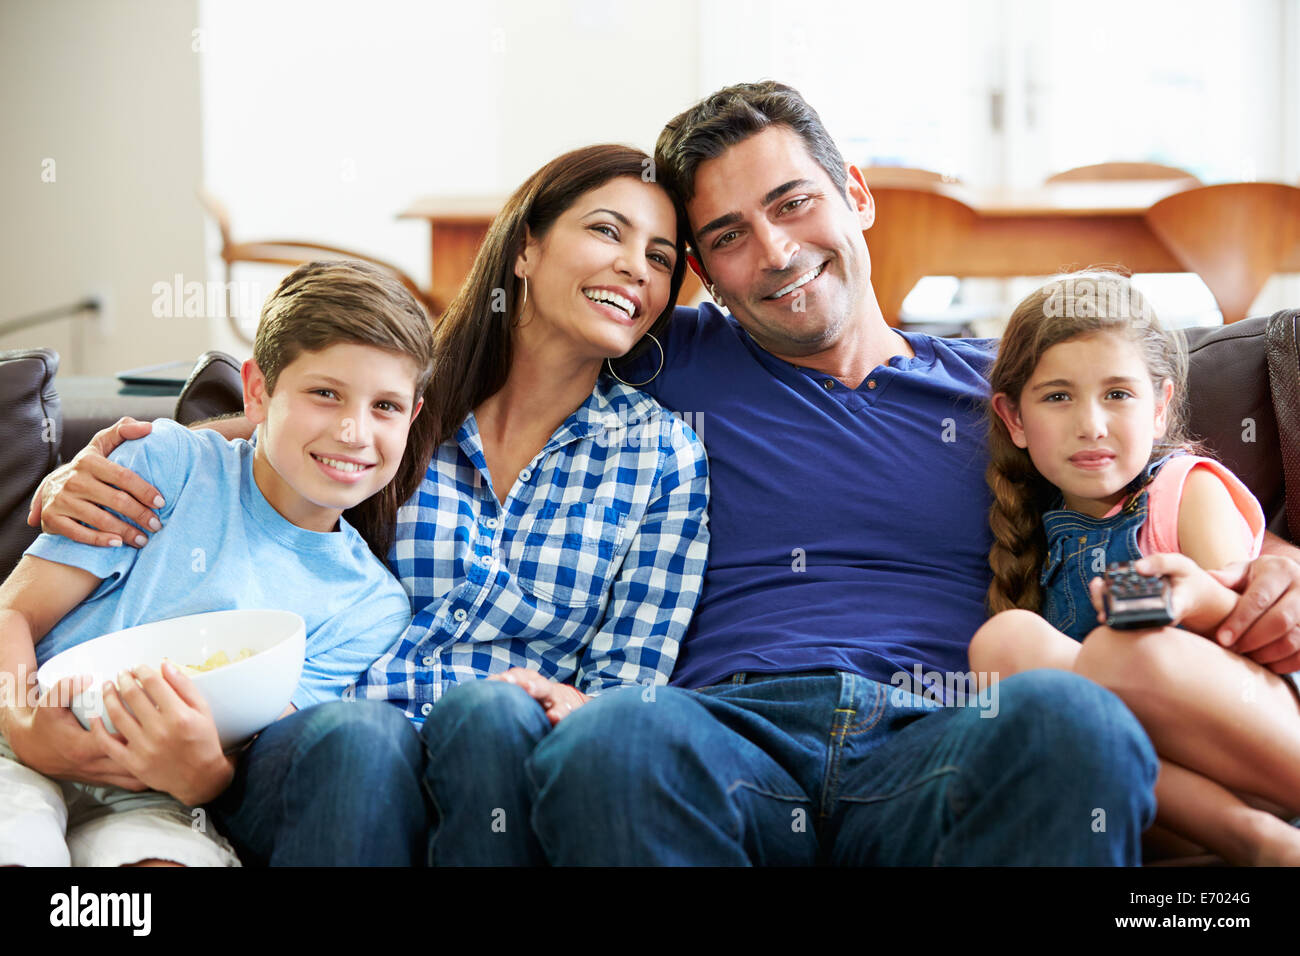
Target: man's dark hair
713,125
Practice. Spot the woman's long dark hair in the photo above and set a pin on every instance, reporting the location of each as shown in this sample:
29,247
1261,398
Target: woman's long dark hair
472,340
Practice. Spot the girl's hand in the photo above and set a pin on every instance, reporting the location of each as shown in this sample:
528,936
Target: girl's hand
1197,601
558,700
167,738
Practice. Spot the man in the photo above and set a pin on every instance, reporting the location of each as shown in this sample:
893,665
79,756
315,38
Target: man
848,571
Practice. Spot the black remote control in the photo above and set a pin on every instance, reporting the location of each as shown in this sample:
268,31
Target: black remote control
1135,600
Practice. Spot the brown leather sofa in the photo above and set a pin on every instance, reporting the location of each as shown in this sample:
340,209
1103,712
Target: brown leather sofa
1244,403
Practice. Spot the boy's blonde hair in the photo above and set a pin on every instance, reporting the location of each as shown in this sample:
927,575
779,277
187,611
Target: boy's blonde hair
1069,306
334,301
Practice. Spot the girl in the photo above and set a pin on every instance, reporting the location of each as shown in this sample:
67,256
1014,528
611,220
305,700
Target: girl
1090,465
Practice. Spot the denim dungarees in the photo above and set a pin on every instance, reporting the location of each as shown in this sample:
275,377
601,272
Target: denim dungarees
1078,550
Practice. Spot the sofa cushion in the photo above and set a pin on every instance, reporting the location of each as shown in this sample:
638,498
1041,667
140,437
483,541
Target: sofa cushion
31,427
213,390
1231,409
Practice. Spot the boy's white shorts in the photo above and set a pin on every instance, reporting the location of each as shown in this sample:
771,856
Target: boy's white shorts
46,822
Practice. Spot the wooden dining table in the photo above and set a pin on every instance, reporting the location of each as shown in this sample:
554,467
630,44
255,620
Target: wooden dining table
999,233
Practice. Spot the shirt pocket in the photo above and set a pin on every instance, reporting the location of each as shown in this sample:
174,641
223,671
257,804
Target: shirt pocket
568,554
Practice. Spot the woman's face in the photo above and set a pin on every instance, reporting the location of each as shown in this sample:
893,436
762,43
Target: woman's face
601,275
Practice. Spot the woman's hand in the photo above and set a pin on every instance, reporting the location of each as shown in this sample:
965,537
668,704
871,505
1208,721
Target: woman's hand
81,489
167,738
1197,601
49,739
558,700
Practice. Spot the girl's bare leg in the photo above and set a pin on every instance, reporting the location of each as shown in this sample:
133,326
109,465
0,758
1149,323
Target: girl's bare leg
1205,708
1191,805
1015,641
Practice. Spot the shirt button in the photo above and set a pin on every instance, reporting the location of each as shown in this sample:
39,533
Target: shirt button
871,383
486,560
428,662
525,474
459,614
426,709
489,523
828,384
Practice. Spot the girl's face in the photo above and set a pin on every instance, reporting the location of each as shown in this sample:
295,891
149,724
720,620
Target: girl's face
1089,416
602,273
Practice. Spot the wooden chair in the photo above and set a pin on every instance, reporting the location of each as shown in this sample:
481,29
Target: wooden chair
287,252
903,176
1234,236
1104,171
912,225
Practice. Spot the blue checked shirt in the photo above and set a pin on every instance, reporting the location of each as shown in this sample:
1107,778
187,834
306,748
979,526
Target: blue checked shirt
588,573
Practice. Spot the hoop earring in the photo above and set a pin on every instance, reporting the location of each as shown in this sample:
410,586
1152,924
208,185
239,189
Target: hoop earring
652,377
517,323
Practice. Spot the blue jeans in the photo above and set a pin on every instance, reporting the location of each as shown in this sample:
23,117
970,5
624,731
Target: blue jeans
476,739
338,784
833,768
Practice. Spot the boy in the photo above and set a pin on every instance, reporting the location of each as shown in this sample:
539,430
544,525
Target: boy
341,358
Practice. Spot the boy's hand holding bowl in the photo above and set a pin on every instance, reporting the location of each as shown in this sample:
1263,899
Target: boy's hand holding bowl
170,729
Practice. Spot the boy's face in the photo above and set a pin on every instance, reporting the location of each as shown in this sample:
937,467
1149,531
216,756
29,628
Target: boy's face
334,431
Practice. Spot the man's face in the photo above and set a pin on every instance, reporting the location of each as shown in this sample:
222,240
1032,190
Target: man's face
782,246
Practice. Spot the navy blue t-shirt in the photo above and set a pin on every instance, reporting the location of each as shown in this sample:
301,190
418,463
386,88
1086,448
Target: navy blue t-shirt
849,526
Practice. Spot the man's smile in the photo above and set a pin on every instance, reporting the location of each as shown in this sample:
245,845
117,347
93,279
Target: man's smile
799,283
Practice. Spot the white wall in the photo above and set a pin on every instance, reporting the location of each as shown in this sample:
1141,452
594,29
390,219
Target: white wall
109,91
323,123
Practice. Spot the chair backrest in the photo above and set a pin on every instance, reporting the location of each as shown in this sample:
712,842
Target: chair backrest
913,226
1235,236
903,176
215,208
1102,171
290,252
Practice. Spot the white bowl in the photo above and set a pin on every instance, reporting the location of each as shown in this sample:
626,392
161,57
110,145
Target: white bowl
244,696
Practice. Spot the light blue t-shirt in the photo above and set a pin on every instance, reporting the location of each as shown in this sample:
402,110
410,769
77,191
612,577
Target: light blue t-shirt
223,547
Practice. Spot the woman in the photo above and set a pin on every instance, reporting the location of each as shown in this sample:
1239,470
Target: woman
559,536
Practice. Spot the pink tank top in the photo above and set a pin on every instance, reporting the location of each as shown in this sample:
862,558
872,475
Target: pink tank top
1159,533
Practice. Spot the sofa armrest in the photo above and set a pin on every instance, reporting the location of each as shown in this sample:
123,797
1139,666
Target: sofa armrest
31,431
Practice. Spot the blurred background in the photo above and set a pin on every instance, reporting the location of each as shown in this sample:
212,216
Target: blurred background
325,121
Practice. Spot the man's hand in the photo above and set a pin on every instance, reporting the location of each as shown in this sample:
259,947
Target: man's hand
49,739
1265,624
558,700
167,738
81,489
